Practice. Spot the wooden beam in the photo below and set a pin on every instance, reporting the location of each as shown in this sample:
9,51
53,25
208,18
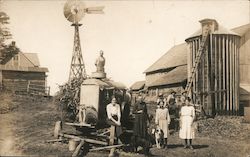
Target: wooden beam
78,148
55,140
219,73
215,74
224,72
231,75
80,124
227,74
106,147
83,138
238,72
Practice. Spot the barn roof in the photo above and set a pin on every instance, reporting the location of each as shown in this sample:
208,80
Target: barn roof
138,85
241,30
33,57
177,75
176,56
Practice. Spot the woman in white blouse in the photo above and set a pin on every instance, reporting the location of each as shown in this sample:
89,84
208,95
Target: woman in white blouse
114,116
187,116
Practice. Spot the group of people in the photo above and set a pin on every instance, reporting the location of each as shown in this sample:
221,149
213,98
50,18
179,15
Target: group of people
168,110
180,112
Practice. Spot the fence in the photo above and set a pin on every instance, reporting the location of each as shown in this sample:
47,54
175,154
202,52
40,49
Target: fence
36,89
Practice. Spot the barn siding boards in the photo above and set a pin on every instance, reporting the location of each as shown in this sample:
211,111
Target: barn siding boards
23,75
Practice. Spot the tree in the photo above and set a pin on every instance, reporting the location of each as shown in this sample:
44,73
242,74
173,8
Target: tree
6,51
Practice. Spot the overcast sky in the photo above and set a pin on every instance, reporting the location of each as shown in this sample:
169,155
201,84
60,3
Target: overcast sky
132,34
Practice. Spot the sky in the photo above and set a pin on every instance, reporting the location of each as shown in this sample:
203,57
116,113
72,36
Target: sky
132,34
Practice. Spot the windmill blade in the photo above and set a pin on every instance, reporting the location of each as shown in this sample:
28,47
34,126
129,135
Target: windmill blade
94,10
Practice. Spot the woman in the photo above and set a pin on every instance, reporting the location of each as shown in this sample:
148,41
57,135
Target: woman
140,134
162,119
141,118
114,116
187,116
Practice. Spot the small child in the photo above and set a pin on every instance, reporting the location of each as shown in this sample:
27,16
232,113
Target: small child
162,119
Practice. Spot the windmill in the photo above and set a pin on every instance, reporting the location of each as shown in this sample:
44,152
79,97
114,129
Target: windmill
74,11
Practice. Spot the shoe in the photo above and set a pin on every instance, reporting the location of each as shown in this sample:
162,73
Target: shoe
185,146
191,147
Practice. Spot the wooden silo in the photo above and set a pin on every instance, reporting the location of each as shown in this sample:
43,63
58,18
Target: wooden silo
216,81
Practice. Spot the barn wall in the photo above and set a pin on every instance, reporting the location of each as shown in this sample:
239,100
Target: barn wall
245,59
150,78
19,81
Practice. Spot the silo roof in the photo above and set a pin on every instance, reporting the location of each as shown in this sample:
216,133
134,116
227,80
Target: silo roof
221,30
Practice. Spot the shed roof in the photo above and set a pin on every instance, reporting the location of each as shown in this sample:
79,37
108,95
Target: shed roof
177,75
104,83
33,57
176,56
138,85
241,30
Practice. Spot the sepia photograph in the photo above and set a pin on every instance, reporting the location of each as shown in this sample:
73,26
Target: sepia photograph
125,78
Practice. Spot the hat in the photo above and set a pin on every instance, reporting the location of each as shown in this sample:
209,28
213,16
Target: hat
184,92
160,94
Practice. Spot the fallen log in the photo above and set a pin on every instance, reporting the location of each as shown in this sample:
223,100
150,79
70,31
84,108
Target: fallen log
85,139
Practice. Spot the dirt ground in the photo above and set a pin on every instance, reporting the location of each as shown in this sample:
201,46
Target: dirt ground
25,129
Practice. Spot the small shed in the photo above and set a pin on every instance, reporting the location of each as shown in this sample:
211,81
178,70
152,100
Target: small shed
22,73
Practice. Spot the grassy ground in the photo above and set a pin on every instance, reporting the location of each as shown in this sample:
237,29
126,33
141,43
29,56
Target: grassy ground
25,129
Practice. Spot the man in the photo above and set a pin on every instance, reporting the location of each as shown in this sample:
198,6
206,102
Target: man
171,101
183,97
171,98
161,99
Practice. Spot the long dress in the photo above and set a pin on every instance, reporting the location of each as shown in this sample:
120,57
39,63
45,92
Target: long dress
140,125
187,117
162,118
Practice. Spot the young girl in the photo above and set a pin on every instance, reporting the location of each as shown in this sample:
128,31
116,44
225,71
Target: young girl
162,119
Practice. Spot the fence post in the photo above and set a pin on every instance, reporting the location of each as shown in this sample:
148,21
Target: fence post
28,86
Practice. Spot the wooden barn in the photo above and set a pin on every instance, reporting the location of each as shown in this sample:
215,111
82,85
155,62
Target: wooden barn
168,72
244,32
22,73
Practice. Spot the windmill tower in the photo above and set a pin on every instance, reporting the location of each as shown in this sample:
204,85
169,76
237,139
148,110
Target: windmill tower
74,11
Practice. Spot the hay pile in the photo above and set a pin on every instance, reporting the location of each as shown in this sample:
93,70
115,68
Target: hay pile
224,127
